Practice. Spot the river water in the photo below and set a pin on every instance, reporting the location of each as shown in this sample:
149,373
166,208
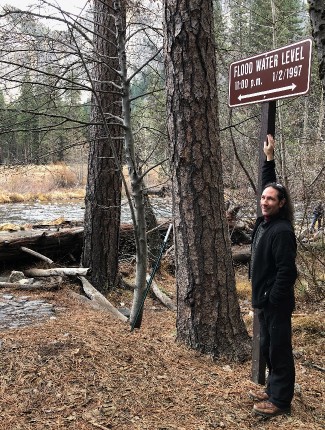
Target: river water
33,213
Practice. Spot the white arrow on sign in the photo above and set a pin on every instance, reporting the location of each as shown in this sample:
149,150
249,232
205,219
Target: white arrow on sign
262,93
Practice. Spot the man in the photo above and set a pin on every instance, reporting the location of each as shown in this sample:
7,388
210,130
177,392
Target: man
318,214
273,273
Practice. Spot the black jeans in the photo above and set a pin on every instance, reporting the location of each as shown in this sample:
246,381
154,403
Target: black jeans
276,347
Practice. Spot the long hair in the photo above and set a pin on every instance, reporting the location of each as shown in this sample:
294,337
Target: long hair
286,211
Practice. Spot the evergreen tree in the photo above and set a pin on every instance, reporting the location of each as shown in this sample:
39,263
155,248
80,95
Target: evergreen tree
27,125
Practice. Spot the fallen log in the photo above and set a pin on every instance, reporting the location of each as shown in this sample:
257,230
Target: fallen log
48,242
97,298
13,285
24,245
18,281
82,299
162,297
58,271
59,243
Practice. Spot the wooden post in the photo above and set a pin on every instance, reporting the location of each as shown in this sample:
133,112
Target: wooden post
267,127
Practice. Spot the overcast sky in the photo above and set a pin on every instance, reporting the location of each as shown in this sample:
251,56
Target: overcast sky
69,5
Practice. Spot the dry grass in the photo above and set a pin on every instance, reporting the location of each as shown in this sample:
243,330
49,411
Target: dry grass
52,182
243,288
86,371
41,183
310,323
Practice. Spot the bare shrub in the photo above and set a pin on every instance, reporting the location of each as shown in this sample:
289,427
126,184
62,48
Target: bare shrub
311,281
4,197
32,180
17,198
63,176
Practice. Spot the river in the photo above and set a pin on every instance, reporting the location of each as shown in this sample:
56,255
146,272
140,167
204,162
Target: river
39,212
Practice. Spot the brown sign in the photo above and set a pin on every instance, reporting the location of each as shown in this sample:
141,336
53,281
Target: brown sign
283,72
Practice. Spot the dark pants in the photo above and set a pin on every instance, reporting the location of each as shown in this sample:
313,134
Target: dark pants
276,347
313,223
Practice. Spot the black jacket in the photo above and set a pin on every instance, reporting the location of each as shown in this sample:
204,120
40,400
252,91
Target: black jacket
273,269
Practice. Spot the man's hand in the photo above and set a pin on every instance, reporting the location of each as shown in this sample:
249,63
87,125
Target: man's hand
269,145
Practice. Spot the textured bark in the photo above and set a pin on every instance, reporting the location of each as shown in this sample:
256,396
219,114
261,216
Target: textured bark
317,20
208,314
154,239
103,195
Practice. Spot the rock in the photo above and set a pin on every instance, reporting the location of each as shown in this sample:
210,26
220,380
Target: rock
16,276
125,311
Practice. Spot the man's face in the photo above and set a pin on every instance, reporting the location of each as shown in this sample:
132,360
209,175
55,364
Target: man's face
270,203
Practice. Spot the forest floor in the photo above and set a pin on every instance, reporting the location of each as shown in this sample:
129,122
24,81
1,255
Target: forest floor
84,369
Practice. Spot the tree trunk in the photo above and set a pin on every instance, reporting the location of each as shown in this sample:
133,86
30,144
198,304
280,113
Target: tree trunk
317,20
137,204
103,194
153,234
208,314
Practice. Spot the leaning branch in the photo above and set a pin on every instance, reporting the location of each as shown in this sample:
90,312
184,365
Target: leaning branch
99,300
37,254
162,297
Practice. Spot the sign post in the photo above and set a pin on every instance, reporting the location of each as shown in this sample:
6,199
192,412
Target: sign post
264,78
267,127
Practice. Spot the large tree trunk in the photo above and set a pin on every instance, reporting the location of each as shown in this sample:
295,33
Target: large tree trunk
208,314
317,20
103,195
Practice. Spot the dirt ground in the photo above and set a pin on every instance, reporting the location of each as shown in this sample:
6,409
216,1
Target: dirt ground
85,370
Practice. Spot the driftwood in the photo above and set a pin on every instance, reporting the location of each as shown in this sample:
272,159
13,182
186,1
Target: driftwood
58,243
97,298
35,286
162,297
37,254
58,271
18,281
19,286
51,243
83,299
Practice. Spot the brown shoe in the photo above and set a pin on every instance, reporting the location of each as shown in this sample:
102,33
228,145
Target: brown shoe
258,395
268,409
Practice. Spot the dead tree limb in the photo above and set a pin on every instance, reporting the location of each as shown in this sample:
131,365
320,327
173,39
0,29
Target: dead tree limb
13,285
37,254
96,297
83,299
59,271
162,297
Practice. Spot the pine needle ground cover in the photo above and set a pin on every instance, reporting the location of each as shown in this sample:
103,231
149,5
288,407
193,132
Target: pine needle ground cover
84,370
